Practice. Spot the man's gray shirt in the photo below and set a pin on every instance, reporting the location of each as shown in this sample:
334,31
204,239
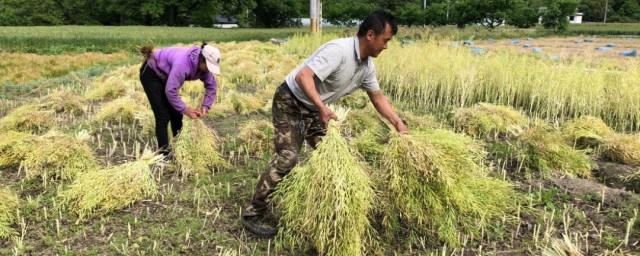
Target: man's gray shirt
338,72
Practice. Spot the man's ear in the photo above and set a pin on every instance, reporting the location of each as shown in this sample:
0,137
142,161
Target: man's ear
370,35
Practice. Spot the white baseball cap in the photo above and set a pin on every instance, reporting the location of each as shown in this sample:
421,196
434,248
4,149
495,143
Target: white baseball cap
212,55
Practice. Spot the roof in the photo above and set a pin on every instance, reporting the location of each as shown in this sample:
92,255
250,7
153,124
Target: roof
219,19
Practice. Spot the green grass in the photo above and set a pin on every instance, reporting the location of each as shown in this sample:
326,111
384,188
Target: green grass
64,39
605,29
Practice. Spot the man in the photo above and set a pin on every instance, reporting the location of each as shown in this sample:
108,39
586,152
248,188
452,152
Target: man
300,110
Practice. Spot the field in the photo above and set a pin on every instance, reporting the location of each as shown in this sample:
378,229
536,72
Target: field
511,152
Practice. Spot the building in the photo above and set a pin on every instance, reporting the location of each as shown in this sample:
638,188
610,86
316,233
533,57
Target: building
573,19
576,18
225,22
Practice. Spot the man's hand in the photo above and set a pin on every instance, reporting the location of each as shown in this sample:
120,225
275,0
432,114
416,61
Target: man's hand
402,128
192,112
326,114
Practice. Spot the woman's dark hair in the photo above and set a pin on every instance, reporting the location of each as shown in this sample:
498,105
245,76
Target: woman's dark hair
146,50
202,59
377,21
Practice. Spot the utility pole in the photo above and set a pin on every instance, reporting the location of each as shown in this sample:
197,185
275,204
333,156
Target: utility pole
424,4
315,21
606,6
448,3
313,12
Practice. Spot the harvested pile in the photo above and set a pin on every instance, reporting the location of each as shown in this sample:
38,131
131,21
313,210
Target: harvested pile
147,122
110,89
14,147
622,148
244,104
122,109
29,118
102,191
434,185
9,203
257,136
326,202
365,119
59,157
489,121
547,153
64,101
195,149
586,132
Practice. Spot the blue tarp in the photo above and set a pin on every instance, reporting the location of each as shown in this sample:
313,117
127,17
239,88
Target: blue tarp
611,45
529,38
477,50
515,41
526,45
578,41
603,48
589,40
632,53
468,42
537,50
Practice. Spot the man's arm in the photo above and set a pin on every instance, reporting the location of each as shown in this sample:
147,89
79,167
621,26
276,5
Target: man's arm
383,107
304,78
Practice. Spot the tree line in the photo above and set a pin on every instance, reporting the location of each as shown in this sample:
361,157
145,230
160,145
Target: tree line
282,13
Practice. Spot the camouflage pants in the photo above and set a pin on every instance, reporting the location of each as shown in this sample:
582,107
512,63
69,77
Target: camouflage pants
294,124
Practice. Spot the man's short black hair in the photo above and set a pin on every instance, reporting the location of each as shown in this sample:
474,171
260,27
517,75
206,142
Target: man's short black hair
377,21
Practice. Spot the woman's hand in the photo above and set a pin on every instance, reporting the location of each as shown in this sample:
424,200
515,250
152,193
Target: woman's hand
203,111
192,112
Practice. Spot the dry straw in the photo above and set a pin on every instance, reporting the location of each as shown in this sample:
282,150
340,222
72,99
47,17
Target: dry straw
489,121
257,136
326,202
434,185
102,191
29,118
195,149
561,247
14,147
109,89
59,157
9,204
147,122
245,104
586,132
366,119
65,101
623,148
122,109
547,153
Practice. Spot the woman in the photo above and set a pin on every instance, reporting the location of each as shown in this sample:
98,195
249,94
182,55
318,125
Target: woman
164,72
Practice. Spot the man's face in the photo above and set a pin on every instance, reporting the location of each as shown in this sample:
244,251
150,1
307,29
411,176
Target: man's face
377,43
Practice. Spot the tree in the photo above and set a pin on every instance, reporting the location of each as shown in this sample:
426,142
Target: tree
488,13
411,14
30,13
277,13
555,16
346,12
436,14
522,15
593,10
628,12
